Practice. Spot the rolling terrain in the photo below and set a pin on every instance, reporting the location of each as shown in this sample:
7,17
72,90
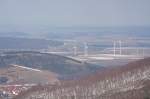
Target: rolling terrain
131,81
19,43
36,67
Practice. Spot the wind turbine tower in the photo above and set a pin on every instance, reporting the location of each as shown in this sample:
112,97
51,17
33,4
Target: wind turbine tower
120,45
75,50
114,48
85,49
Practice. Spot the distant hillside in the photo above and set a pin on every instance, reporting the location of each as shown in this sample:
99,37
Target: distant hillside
13,34
26,43
60,65
131,81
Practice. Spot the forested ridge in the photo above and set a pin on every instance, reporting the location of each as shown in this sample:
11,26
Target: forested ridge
131,81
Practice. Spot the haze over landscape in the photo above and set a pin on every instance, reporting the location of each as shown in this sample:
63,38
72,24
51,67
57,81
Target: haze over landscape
43,15
74,49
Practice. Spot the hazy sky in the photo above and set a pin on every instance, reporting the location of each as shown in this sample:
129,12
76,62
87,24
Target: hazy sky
35,13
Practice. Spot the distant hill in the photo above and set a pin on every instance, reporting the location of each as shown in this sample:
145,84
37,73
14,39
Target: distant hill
13,34
60,65
26,43
98,32
131,81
